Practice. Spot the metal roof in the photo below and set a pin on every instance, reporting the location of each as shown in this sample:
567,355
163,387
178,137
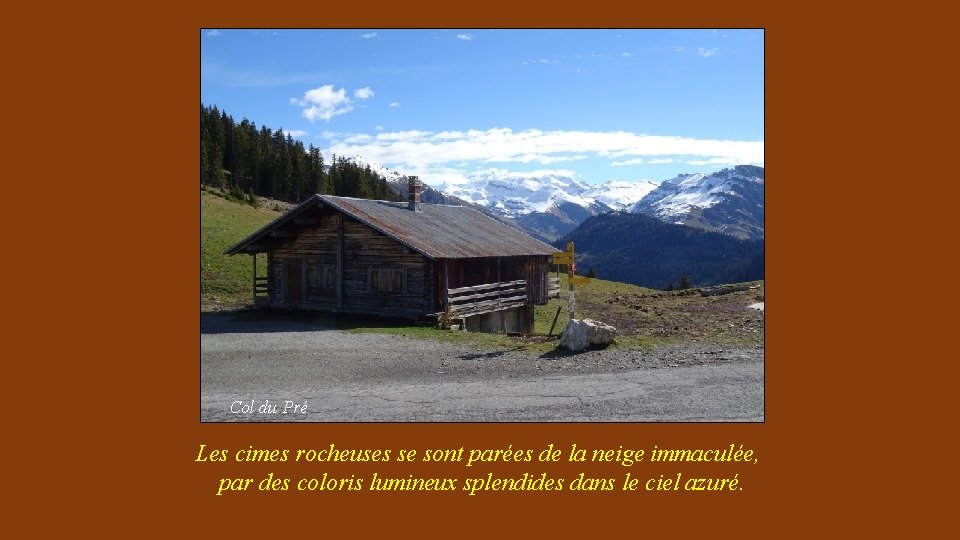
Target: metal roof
438,231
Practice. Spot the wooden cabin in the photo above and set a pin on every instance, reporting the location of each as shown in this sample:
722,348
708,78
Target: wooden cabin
412,260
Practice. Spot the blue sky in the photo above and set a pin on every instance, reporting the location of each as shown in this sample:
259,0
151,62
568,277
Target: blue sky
597,105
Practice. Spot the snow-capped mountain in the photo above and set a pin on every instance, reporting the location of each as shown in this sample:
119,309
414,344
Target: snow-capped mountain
729,201
620,194
548,205
388,174
515,194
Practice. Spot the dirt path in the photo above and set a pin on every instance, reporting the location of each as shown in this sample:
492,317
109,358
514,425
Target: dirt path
349,377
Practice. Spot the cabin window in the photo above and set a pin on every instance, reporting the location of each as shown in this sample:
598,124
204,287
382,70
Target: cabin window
322,276
387,280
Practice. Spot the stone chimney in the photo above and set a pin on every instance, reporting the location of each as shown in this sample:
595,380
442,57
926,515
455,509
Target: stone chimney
414,186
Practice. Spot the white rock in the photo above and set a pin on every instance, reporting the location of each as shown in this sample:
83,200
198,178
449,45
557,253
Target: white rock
578,335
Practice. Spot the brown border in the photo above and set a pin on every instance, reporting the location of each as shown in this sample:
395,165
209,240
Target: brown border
116,454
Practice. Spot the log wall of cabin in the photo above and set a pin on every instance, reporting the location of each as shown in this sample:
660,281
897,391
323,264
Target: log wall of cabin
315,246
366,249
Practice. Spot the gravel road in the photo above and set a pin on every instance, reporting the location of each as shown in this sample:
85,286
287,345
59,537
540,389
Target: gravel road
267,370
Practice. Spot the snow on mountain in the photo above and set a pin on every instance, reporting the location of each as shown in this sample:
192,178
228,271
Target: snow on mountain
676,196
516,194
620,194
388,174
729,201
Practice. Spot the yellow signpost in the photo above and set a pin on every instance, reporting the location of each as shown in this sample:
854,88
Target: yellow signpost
562,257
568,258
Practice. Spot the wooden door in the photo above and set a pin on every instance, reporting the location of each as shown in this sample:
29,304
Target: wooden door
294,283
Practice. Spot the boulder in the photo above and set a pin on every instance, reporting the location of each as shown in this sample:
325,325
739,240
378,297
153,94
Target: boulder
580,334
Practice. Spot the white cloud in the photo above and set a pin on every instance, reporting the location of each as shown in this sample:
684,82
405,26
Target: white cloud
707,53
714,161
545,159
635,161
464,37
358,138
295,132
427,153
324,102
403,135
214,33
378,128
680,49
627,54
394,104
368,35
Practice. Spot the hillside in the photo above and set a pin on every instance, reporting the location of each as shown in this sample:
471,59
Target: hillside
646,317
730,201
634,248
238,157
226,281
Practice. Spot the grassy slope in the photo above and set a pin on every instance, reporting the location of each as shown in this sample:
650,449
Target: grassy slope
226,281
645,317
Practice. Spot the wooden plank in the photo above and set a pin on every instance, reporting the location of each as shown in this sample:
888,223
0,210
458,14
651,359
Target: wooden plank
339,278
489,303
490,309
491,294
486,286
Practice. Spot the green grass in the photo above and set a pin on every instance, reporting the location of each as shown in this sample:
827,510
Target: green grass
227,281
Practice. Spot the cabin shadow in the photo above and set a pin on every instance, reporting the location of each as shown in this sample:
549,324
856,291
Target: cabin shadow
488,355
267,320
562,352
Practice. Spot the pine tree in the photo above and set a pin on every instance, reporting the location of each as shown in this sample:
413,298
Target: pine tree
239,158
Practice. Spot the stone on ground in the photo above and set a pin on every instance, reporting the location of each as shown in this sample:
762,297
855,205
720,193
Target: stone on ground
580,334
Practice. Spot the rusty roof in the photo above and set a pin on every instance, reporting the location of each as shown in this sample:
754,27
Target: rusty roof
438,231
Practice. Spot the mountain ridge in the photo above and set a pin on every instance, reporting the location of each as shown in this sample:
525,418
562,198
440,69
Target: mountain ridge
730,201
642,250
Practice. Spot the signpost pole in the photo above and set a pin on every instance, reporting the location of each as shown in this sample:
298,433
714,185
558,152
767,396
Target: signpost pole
571,268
